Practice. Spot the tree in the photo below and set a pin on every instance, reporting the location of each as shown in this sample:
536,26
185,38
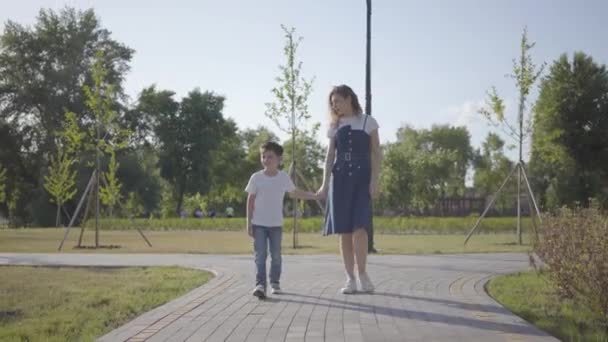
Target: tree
457,140
2,184
226,177
13,200
397,177
424,166
61,179
309,156
144,118
139,173
253,140
570,145
43,68
188,135
41,78
290,109
133,205
109,192
106,136
525,74
491,168
20,171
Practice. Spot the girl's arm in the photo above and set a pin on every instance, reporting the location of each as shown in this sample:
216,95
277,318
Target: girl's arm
376,160
330,156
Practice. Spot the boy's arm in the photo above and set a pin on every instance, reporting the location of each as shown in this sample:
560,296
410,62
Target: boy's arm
250,209
299,194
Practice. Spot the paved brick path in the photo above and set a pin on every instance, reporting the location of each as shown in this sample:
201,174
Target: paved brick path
418,298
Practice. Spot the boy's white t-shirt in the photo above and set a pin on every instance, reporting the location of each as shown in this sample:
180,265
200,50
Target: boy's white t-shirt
269,194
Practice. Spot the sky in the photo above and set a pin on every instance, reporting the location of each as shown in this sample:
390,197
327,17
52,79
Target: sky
432,61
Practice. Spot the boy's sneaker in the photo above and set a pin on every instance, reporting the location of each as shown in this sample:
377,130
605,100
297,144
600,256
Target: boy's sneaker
366,283
260,292
350,286
275,289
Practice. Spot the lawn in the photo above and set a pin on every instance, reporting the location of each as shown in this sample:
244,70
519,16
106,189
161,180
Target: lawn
81,304
530,296
46,240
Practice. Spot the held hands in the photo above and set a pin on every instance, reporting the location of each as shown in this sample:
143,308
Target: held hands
322,192
373,190
305,195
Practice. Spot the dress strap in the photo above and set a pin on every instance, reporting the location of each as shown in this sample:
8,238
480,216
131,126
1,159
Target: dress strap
365,121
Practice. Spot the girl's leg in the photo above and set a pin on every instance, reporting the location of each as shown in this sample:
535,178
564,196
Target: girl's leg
360,249
346,248
360,246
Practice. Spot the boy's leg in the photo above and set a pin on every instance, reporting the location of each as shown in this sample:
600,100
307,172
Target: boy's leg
260,246
275,235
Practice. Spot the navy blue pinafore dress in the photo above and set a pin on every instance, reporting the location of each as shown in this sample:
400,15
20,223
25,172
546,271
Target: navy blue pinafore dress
348,200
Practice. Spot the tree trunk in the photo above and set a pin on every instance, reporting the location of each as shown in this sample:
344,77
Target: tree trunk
58,216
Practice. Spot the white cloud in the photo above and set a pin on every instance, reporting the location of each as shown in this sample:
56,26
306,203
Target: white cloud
465,114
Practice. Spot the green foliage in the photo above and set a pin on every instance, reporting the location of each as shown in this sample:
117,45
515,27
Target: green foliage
290,109
491,168
425,165
109,192
133,205
60,182
61,179
188,135
570,145
525,73
43,68
138,172
253,139
167,201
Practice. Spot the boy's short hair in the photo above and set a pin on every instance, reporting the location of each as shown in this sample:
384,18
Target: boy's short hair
272,146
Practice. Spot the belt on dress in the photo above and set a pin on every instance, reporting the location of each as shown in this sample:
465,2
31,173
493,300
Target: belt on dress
348,156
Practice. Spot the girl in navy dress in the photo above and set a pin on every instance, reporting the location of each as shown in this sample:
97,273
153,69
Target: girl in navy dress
350,181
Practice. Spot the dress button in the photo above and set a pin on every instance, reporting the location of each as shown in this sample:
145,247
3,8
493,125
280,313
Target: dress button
350,165
350,173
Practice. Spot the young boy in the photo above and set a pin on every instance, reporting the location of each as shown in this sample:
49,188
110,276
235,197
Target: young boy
266,190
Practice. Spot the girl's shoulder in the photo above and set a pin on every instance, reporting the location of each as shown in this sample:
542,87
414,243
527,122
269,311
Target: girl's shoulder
370,124
332,129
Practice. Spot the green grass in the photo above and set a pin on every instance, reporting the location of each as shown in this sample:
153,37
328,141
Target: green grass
46,240
530,296
81,304
382,225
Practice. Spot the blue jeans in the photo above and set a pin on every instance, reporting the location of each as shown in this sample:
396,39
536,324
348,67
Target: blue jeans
265,238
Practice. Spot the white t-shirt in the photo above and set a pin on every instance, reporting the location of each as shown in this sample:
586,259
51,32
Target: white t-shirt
269,194
356,122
